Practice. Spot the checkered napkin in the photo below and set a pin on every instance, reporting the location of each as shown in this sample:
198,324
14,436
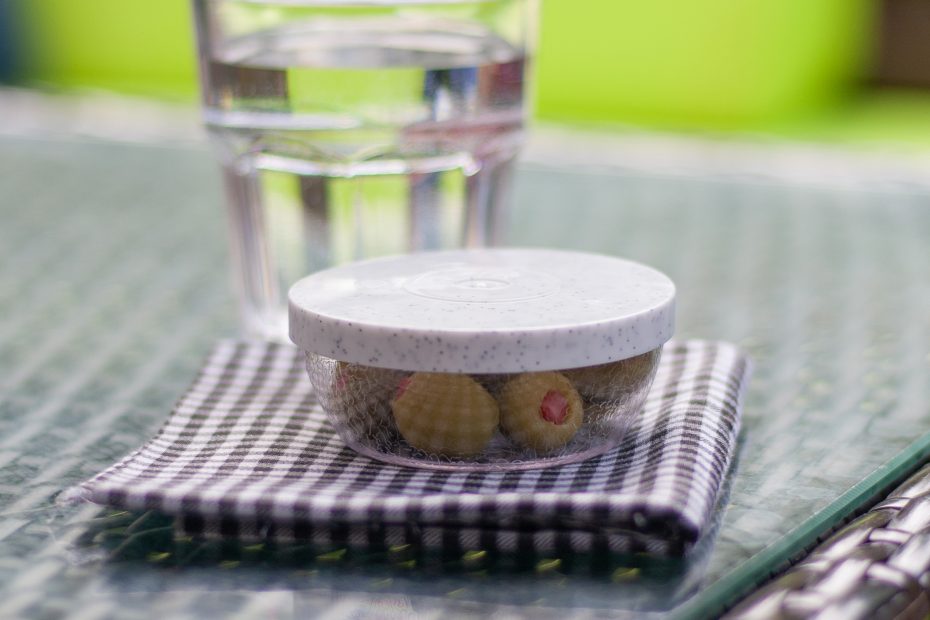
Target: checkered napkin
248,453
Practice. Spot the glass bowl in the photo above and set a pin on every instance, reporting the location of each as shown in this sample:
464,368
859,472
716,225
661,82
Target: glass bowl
483,359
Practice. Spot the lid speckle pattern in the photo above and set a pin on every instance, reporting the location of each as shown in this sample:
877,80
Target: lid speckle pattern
484,311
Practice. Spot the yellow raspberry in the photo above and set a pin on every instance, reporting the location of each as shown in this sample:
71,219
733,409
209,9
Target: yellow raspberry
445,414
615,380
541,410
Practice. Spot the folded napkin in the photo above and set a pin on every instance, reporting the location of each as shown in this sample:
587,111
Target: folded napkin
248,453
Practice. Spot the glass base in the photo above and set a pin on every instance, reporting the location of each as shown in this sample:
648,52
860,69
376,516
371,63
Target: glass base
493,460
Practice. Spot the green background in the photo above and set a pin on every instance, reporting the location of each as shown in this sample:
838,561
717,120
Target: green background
792,67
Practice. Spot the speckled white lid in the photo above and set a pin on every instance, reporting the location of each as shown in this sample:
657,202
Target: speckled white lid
484,311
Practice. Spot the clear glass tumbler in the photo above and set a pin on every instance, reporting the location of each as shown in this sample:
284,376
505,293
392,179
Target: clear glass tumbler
348,129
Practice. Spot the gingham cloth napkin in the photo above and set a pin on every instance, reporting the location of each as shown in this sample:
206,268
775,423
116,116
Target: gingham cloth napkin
248,453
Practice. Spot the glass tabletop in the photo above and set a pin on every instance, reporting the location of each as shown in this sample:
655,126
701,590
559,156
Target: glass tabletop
113,286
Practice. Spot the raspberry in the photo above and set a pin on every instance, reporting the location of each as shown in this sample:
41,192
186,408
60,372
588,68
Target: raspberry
615,380
541,410
445,414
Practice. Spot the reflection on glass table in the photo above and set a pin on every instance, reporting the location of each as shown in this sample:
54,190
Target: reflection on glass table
113,286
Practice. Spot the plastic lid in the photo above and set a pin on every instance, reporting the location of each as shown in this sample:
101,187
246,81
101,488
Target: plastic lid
484,311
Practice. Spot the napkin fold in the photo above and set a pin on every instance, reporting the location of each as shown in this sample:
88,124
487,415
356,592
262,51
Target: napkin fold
247,453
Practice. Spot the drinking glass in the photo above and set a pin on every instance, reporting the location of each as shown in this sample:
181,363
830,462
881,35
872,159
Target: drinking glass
349,129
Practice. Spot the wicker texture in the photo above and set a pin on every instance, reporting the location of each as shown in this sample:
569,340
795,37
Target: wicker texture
878,566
